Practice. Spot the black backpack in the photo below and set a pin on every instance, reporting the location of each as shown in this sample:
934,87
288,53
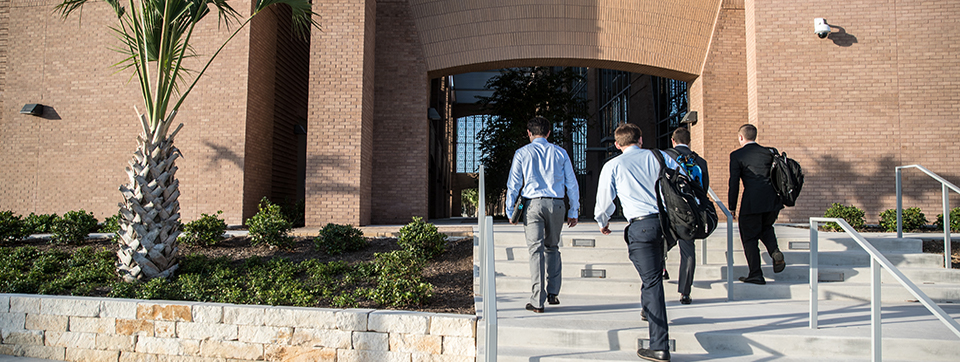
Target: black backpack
786,177
686,212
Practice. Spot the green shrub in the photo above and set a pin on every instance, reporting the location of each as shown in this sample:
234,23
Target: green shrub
294,211
205,231
111,224
73,227
913,219
28,270
269,226
159,288
852,214
954,220
40,224
399,280
422,239
336,239
12,227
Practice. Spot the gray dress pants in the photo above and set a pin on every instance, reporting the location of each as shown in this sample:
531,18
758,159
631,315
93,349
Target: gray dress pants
542,224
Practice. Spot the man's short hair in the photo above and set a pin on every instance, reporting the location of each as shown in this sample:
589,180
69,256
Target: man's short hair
682,136
749,132
539,126
627,134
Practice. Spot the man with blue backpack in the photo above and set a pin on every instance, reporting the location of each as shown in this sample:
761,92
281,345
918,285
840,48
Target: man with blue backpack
696,168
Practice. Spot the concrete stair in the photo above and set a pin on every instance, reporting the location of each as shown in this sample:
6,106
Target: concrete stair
598,318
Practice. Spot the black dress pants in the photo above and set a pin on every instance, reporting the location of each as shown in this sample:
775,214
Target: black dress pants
755,228
645,246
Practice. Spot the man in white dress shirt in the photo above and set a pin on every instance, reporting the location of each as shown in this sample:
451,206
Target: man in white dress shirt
632,176
540,173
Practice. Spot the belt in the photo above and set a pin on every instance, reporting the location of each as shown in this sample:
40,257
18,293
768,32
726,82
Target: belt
546,198
645,217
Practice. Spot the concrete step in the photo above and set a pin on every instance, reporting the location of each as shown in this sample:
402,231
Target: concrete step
719,241
793,272
608,328
718,256
790,290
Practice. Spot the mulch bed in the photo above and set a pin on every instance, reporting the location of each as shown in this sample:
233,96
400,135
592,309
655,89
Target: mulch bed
451,273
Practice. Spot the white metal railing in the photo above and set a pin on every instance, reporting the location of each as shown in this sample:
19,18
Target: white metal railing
945,186
488,281
703,251
877,260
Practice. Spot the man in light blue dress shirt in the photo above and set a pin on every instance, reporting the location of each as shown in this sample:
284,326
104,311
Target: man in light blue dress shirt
540,173
632,177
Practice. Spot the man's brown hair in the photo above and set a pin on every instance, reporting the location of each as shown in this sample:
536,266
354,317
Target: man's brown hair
682,136
749,132
627,133
539,126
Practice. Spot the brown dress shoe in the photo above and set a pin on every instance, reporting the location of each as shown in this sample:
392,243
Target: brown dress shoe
531,308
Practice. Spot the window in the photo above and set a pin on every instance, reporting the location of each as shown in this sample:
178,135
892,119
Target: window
468,148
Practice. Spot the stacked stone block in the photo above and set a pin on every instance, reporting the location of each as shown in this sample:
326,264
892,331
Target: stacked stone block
115,330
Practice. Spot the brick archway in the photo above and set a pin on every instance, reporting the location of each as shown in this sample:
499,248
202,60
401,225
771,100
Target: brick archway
370,78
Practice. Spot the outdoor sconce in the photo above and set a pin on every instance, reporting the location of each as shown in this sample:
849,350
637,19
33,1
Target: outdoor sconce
689,118
33,109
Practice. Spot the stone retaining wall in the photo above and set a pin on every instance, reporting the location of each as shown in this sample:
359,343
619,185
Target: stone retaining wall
123,330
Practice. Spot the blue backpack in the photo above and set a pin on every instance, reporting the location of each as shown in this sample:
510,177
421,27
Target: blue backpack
689,164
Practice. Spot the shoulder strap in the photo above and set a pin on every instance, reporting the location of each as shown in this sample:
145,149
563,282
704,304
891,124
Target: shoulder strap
659,156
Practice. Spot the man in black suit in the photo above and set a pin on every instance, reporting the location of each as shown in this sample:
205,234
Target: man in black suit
760,205
688,255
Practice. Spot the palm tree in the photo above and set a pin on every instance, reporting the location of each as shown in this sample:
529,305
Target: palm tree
155,37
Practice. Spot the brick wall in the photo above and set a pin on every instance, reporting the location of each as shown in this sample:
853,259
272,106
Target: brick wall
340,113
877,93
401,128
73,157
115,330
259,131
718,96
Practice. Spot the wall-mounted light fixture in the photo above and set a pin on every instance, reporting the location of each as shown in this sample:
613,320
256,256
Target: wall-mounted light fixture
821,28
689,118
34,109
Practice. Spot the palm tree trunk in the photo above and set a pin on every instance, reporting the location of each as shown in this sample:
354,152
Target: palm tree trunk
150,213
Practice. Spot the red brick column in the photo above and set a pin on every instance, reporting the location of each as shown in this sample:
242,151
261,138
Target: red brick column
340,114
402,135
719,96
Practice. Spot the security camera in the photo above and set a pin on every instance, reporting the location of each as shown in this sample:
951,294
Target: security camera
820,27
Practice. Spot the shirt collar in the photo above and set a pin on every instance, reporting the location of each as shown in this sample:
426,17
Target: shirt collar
631,149
540,140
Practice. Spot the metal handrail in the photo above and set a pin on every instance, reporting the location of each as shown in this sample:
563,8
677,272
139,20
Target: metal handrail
877,260
703,256
944,185
488,281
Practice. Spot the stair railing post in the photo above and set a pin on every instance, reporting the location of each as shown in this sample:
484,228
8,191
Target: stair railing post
490,296
814,273
876,332
947,261
703,257
481,216
488,283
899,203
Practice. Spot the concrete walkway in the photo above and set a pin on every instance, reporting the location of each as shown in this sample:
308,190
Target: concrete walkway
598,319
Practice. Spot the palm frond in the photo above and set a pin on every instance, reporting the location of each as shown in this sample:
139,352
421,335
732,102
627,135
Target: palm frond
304,17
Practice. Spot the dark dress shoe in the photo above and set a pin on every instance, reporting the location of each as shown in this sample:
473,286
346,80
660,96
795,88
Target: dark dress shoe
643,316
778,263
685,299
759,281
531,308
666,276
552,299
651,355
